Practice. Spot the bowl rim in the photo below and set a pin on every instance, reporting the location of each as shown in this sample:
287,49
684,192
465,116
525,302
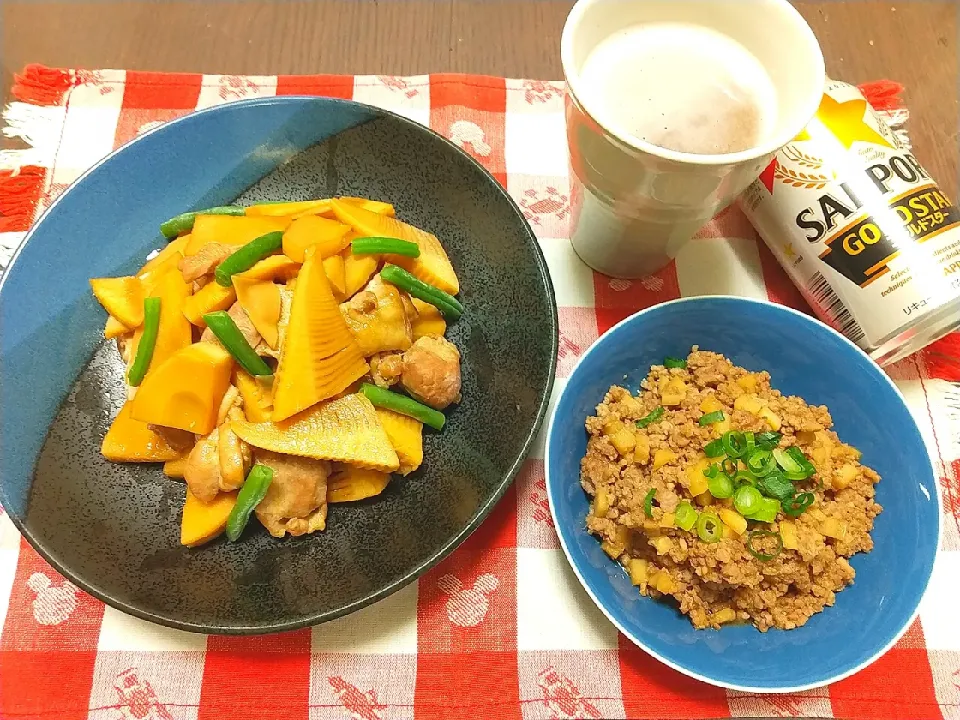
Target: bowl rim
457,539
586,586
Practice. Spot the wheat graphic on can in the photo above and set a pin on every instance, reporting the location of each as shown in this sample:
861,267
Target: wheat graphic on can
862,229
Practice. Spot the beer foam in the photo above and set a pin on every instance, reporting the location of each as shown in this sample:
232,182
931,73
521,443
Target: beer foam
680,86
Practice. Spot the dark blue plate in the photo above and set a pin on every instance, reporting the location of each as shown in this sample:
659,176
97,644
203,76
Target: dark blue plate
805,358
114,529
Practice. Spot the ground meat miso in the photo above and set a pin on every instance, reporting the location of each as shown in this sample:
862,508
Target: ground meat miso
798,563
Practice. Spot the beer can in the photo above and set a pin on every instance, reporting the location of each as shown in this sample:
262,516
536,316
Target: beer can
862,229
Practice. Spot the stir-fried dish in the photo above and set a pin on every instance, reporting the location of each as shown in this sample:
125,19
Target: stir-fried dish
713,489
281,357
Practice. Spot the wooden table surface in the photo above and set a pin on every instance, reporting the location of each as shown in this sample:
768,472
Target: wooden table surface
912,41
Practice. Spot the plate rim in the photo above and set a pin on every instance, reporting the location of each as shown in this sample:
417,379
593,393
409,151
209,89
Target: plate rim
445,550
552,486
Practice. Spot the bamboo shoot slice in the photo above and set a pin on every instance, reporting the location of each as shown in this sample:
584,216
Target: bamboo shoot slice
257,398
377,206
343,430
316,332
261,300
185,391
130,440
329,237
275,267
288,208
174,333
357,270
349,484
121,297
433,266
333,267
429,321
174,247
406,437
231,230
114,328
202,522
211,297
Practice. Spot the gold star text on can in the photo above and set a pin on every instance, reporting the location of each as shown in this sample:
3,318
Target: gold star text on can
861,228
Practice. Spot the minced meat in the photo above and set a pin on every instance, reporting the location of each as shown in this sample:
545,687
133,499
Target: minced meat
723,581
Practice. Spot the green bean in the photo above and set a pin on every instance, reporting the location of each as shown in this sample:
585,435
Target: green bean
384,246
227,332
444,302
247,256
253,491
184,222
148,341
404,405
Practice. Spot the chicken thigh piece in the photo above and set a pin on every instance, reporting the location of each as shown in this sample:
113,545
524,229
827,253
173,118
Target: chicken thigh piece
378,318
431,372
204,262
296,501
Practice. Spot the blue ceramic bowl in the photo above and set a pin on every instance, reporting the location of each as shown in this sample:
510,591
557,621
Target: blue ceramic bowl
113,529
805,358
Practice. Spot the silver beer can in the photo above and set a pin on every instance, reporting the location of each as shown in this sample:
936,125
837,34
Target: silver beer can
862,229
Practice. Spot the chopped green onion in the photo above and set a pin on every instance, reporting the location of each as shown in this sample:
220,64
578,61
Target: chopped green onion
720,486
148,341
672,362
651,417
795,506
712,417
796,454
229,335
709,528
785,461
761,462
253,491
734,444
744,477
404,405
747,500
384,246
447,304
712,471
729,467
714,448
751,442
755,535
776,486
247,256
184,222
768,510
685,516
648,502
768,440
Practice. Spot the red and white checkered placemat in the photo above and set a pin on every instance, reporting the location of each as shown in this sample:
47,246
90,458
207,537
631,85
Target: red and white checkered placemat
477,636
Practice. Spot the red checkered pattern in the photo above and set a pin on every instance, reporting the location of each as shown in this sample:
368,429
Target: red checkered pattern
477,636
